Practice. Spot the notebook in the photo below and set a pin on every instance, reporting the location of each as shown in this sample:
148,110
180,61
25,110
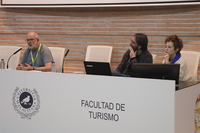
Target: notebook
156,71
97,68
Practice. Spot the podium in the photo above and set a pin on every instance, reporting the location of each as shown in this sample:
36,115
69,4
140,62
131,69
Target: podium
45,102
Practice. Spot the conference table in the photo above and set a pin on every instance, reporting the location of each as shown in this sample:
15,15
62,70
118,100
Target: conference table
46,102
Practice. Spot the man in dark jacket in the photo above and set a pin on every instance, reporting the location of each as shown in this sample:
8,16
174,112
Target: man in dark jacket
137,53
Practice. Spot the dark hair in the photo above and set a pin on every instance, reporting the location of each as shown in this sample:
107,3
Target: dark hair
177,42
141,40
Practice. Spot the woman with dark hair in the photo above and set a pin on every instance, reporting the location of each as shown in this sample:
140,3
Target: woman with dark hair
173,46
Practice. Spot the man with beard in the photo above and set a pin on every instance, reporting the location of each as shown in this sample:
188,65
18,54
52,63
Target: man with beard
37,56
137,53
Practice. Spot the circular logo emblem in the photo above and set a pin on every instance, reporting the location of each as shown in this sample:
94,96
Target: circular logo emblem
26,102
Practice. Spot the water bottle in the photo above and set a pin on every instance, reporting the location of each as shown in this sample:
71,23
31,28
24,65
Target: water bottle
53,67
2,64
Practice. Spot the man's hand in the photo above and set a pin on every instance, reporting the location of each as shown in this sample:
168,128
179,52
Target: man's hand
20,66
27,68
132,53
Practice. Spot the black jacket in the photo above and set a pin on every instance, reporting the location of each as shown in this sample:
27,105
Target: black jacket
126,63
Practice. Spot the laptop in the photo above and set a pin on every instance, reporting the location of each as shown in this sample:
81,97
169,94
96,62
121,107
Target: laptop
97,68
156,71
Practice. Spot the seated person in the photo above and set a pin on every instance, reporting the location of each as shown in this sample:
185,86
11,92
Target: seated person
137,53
37,56
173,46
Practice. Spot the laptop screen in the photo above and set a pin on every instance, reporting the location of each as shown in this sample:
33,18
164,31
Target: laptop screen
97,68
156,71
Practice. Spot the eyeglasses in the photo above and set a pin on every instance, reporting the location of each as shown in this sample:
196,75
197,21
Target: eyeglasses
27,40
133,42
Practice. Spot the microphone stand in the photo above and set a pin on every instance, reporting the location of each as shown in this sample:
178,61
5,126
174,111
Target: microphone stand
12,55
63,59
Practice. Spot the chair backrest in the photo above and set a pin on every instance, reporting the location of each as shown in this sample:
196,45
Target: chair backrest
100,53
154,57
192,60
6,52
58,56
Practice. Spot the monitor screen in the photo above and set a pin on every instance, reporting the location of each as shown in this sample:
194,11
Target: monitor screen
156,71
97,68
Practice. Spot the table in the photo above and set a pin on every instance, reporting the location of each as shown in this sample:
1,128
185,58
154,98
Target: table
46,102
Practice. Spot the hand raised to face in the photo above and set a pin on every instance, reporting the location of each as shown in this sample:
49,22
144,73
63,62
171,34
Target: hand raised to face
166,58
132,53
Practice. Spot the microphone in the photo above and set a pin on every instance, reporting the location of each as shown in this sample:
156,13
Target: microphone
17,51
66,53
64,57
12,55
